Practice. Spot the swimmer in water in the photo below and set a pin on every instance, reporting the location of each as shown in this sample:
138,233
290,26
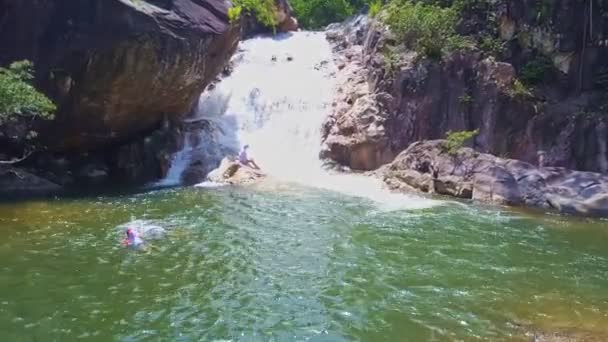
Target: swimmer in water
132,239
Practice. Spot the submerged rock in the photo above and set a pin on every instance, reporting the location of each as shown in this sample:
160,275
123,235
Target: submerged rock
427,167
231,171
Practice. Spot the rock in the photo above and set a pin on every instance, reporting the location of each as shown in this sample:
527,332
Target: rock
127,63
232,172
285,20
94,173
145,159
355,133
426,167
15,182
285,17
453,186
494,184
348,33
468,90
289,24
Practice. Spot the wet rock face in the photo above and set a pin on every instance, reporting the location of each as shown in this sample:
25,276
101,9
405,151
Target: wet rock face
427,167
116,67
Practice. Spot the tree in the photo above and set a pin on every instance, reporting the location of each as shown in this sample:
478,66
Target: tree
19,100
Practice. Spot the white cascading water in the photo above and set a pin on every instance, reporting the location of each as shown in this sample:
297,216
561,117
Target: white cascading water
276,100
179,163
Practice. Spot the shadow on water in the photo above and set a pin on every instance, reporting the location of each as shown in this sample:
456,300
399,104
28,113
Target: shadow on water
89,192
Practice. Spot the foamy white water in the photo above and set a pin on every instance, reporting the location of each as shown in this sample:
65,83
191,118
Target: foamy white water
276,100
179,163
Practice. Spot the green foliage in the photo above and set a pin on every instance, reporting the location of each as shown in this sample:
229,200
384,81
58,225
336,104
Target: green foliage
544,10
429,29
318,13
234,13
520,90
374,8
458,42
265,11
491,45
391,60
536,70
456,140
18,97
465,100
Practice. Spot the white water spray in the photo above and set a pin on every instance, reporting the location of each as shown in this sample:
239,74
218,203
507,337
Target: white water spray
276,101
179,163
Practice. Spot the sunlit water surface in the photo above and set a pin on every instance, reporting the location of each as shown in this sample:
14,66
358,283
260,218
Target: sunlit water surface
294,263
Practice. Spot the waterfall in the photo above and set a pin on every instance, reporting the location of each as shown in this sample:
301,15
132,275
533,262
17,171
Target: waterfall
276,101
179,163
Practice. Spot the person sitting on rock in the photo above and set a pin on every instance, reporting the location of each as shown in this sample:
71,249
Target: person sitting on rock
245,160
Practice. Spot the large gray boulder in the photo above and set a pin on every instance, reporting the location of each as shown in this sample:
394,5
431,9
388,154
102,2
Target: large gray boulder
426,166
116,68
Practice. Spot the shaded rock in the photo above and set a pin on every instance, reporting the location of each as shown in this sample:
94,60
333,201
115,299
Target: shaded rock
285,20
289,24
94,173
232,172
427,167
495,184
453,186
15,182
116,67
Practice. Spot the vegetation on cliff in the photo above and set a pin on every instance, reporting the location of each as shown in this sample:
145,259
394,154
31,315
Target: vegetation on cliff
429,29
18,97
318,13
454,141
263,10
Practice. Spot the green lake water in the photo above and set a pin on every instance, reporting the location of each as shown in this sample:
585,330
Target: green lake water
295,264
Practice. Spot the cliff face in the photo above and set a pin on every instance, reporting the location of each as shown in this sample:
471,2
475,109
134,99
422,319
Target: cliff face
407,98
116,68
